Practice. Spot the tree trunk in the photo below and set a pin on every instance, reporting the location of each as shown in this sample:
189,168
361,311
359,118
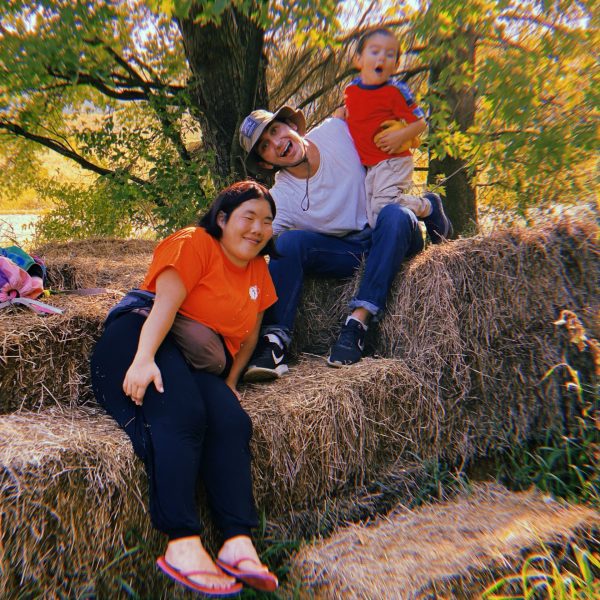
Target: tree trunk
461,199
228,68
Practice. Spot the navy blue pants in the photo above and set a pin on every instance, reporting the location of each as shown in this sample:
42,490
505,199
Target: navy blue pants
196,429
395,237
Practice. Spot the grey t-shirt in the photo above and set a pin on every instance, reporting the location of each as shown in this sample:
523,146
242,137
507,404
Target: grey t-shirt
336,191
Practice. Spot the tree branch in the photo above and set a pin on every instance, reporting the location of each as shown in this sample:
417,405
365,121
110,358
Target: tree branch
536,20
147,87
66,152
85,79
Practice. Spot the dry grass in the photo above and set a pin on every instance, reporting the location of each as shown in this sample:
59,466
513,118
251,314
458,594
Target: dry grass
467,339
67,479
44,359
448,550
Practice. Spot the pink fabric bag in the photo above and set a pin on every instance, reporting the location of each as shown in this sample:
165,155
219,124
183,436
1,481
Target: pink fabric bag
17,286
17,283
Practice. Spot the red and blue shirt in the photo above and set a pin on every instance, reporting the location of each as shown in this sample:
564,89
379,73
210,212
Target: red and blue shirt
368,106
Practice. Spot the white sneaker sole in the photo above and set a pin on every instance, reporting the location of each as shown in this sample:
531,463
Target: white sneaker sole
254,374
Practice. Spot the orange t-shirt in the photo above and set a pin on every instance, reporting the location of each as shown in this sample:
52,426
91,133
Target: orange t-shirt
220,295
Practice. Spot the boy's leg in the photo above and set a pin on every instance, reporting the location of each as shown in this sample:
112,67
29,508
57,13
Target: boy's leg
301,253
396,236
388,182
439,227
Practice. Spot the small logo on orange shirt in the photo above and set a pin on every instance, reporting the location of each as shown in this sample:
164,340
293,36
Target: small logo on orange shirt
253,291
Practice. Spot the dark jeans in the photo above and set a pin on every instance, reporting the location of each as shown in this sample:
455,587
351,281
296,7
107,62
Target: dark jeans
195,429
395,237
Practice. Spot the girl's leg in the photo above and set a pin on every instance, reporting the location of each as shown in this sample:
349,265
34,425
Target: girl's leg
167,433
225,466
226,473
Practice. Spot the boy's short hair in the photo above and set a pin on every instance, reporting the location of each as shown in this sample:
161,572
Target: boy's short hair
365,37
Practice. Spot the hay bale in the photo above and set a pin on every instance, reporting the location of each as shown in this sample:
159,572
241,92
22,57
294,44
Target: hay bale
544,267
71,502
97,262
73,519
323,432
452,549
44,360
474,319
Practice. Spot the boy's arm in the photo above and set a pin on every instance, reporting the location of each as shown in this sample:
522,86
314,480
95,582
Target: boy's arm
394,140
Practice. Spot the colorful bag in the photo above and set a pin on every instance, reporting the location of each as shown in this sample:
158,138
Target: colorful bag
22,280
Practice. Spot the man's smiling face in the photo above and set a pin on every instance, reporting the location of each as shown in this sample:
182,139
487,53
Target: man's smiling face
280,145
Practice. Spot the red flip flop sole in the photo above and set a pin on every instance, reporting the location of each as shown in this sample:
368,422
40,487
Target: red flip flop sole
264,582
184,579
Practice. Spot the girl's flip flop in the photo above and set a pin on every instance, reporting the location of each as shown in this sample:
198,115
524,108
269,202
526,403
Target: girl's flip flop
265,581
184,579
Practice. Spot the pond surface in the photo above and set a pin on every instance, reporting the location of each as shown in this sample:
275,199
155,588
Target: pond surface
16,228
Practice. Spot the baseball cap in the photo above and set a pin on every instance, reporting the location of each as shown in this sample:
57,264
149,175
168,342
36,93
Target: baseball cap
256,122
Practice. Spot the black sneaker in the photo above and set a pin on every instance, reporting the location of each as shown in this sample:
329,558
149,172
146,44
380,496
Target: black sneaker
437,223
268,360
350,344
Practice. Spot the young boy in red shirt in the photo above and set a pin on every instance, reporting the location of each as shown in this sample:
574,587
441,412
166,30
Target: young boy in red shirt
373,100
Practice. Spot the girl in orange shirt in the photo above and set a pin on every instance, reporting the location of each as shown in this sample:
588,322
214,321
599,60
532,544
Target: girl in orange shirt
206,285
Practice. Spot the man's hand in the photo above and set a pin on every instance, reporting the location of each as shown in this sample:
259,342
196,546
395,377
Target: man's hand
340,113
391,139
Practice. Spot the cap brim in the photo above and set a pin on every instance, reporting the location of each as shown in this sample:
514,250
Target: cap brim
285,113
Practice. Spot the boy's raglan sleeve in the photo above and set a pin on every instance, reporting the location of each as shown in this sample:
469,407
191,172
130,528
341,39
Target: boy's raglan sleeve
405,105
283,220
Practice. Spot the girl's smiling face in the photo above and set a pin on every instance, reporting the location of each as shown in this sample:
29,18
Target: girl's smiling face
246,231
378,59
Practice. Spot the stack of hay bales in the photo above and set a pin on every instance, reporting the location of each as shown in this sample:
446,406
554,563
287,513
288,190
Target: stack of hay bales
450,550
43,358
465,343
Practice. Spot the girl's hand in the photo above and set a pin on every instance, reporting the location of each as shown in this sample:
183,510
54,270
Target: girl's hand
233,387
139,376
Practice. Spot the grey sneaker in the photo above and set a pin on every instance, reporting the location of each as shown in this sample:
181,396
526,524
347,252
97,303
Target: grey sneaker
268,361
350,344
437,223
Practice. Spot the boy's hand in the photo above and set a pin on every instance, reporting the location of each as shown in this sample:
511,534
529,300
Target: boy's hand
391,140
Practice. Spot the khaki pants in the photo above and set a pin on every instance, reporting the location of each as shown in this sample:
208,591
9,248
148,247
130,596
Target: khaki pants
389,182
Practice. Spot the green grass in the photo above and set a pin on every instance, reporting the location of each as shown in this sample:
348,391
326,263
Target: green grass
541,577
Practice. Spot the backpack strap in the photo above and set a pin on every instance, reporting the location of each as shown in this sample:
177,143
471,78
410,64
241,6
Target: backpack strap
34,305
85,292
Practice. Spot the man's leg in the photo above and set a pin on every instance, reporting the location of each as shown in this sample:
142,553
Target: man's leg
396,236
301,253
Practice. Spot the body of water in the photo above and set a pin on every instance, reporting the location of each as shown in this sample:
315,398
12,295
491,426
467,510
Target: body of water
16,228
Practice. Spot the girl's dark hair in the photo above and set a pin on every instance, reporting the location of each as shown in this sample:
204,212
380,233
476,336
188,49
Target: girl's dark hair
369,34
228,200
